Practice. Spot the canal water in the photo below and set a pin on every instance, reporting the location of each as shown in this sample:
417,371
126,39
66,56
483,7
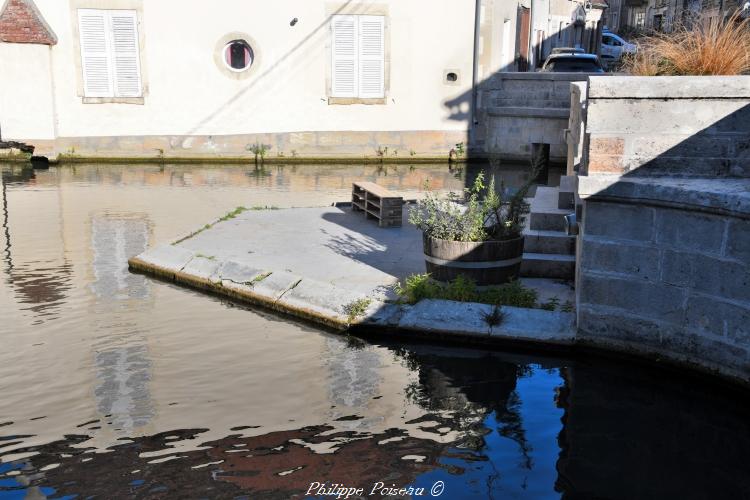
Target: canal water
116,385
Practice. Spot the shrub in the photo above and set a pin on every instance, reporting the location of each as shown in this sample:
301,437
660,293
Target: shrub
511,294
482,215
463,289
418,287
702,48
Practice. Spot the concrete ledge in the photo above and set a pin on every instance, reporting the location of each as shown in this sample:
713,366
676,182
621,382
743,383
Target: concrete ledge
723,196
669,87
325,304
468,319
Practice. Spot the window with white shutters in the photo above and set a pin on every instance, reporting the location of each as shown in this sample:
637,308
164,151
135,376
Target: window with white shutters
358,56
110,58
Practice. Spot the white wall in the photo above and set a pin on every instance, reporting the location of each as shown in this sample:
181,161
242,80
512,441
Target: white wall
188,95
26,105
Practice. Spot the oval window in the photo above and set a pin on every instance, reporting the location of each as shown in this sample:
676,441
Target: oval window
238,55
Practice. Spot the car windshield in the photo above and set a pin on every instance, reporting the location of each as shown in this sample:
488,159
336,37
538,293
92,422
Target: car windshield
574,65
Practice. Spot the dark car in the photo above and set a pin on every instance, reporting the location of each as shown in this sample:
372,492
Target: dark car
573,63
567,50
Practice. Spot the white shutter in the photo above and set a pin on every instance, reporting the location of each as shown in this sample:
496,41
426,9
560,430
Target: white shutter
127,74
95,60
371,56
344,56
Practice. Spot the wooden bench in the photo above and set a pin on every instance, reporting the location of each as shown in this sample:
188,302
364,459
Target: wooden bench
377,203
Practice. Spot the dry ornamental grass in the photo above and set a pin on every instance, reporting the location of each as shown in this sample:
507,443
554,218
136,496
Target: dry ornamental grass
704,48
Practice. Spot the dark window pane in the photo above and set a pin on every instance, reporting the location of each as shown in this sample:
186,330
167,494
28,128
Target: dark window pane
237,56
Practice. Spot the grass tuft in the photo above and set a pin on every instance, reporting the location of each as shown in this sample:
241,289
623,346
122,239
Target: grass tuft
701,48
234,213
421,286
357,308
494,318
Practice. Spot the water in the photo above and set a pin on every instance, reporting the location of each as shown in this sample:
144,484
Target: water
117,385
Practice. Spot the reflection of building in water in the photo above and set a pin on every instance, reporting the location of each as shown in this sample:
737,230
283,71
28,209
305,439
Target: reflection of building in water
122,360
113,241
353,378
38,273
271,465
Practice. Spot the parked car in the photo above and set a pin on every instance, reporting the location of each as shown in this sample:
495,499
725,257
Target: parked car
567,50
614,46
573,62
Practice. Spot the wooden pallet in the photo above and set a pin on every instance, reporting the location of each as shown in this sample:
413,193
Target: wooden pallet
377,203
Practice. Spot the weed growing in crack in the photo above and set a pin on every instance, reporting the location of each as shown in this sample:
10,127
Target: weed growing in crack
551,304
357,308
234,213
258,279
493,318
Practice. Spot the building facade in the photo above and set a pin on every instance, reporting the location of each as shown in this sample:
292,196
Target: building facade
169,78
664,15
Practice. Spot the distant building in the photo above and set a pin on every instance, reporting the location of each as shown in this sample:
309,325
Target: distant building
160,78
664,15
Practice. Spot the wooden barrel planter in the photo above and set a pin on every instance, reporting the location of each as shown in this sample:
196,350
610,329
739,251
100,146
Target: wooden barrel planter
485,262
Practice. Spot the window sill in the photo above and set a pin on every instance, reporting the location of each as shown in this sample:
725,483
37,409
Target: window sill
112,100
356,100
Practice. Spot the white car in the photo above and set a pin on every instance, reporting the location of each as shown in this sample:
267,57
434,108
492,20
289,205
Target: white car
614,46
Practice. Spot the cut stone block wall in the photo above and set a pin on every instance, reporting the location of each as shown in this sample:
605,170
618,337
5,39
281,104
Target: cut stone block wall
515,110
665,237
684,126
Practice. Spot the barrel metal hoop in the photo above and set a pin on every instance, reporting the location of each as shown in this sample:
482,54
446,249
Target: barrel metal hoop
472,265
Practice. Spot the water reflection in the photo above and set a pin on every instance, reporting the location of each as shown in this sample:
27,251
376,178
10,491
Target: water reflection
116,385
40,278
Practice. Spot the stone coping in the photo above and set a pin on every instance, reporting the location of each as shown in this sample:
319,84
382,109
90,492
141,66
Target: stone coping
669,87
725,196
326,304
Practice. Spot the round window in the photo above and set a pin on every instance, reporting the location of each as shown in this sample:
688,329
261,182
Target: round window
238,55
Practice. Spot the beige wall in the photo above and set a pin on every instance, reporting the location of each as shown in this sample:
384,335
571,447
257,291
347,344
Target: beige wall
187,94
26,100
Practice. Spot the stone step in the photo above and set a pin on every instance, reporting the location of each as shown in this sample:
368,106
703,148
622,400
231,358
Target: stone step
545,198
567,194
549,242
548,219
543,265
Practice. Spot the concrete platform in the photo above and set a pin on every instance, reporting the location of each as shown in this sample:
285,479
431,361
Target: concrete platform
315,263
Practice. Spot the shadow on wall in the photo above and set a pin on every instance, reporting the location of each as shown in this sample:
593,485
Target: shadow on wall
515,106
308,43
509,111
664,262
720,149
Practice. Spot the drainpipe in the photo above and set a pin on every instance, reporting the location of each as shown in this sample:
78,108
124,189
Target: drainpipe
475,71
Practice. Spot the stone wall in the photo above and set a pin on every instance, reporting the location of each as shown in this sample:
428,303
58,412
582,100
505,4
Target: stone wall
409,145
664,249
518,109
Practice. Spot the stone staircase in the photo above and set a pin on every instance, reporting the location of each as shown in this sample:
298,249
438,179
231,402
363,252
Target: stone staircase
548,251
